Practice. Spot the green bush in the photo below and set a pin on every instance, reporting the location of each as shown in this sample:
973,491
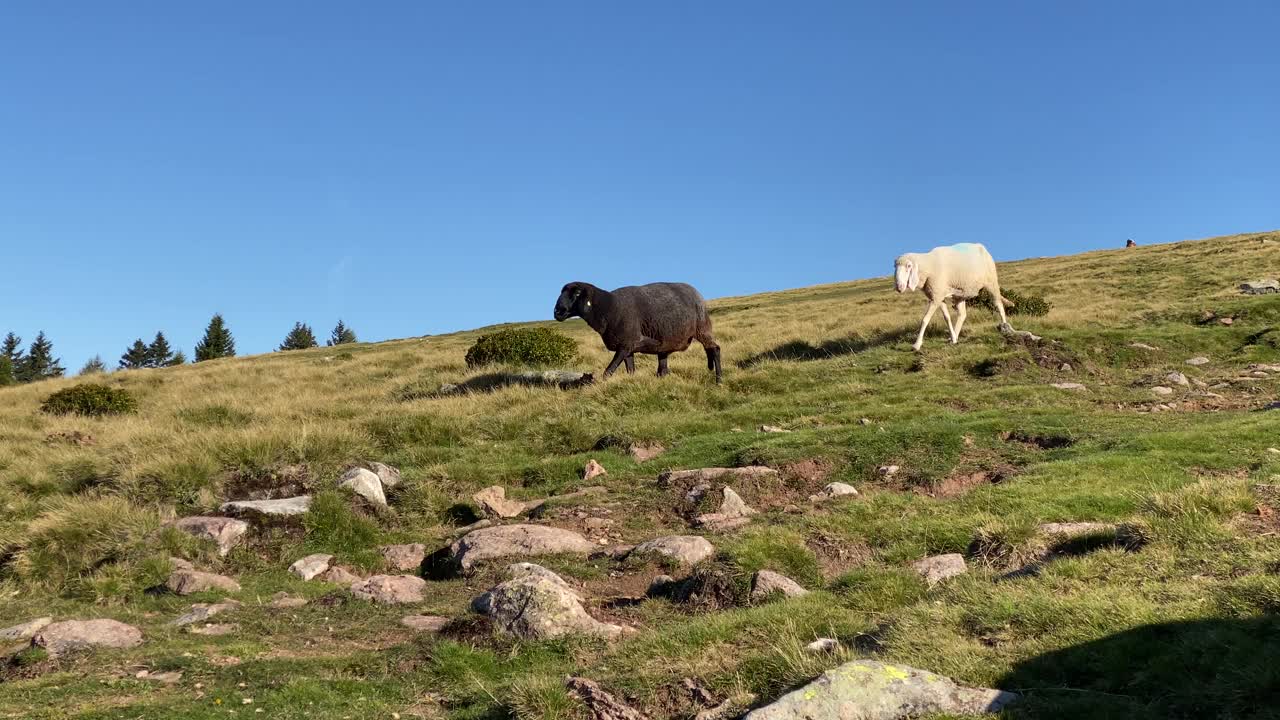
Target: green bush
522,346
1033,305
90,399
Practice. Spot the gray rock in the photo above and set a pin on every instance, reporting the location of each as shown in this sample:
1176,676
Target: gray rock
425,623
593,470
773,429
339,576
834,490
871,690
765,583
646,452
403,557
732,513
311,566
937,568
283,507
26,630
660,585
366,484
888,470
285,601
1068,386
213,629
226,532
73,635
512,541
493,500
685,549
537,604
203,611
389,476
822,646
1177,378
390,589
1260,287
186,582
1162,390
1197,361
702,475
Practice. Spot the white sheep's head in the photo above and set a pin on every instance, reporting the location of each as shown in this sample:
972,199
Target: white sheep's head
906,273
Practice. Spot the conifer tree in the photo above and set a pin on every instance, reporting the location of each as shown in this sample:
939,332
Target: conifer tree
135,357
94,366
40,364
159,354
299,338
341,335
179,358
6,371
11,348
217,341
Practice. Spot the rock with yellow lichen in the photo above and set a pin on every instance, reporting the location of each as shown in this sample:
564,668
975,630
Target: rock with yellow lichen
871,690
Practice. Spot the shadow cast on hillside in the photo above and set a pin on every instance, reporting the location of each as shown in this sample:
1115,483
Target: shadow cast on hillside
1190,669
491,382
850,345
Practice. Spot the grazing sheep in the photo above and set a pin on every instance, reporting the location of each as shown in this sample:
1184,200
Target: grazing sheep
655,319
956,272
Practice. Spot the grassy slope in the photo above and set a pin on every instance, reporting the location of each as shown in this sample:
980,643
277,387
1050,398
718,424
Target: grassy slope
78,539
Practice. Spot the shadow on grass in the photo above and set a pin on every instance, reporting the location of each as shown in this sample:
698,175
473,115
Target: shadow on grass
489,382
851,345
1192,669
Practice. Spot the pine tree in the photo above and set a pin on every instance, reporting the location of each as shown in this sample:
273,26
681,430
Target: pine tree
135,357
12,349
217,341
341,335
159,354
178,359
299,338
6,371
40,364
94,366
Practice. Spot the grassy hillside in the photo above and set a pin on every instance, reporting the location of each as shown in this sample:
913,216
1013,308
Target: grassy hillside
1177,619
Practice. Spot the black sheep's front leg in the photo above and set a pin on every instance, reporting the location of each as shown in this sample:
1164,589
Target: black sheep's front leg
618,357
662,364
631,363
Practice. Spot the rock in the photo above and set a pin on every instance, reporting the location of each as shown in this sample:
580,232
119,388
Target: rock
537,604
387,475
1226,321
366,484
1143,346
1068,386
660,585
213,629
767,582
593,470
872,690
226,532
1177,378
1075,529
732,513
510,541
1260,287
477,525
773,429
602,705
425,623
888,470
1019,335
1162,390
706,475
685,549
311,566
186,582
822,646
1265,367
494,501
339,576
284,601
284,507
1198,361
390,589
864,421
834,490
168,678
203,611
645,453
25,631
73,635
937,568
404,557
181,563
595,524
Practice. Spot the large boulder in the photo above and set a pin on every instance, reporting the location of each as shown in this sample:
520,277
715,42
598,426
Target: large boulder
871,690
186,582
537,604
511,541
403,557
390,589
73,635
226,532
26,630
283,507
389,476
311,566
366,484
684,549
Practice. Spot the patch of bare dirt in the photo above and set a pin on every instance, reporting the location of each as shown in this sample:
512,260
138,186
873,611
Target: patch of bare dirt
960,482
835,556
280,482
1040,442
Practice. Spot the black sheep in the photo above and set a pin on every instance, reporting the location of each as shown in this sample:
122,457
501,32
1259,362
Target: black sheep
655,319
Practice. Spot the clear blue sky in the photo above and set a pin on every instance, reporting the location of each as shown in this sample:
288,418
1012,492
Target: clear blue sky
420,167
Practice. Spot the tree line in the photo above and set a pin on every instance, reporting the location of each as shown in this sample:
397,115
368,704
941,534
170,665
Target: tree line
38,362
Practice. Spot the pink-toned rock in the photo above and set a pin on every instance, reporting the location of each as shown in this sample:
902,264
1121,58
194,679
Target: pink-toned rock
645,452
338,576
226,532
493,500
390,589
593,470
425,623
67,637
186,582
403,557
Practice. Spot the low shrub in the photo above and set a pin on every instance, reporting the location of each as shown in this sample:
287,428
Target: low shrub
1032,305
90,399
522,346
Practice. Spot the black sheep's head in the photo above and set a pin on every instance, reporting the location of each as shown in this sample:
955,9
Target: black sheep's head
575,300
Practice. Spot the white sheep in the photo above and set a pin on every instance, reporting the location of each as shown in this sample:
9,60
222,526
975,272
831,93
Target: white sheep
955,272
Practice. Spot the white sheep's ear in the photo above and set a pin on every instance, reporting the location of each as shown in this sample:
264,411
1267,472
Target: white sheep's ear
913,276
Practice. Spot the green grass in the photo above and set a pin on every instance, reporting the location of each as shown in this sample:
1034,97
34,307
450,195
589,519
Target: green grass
1177,620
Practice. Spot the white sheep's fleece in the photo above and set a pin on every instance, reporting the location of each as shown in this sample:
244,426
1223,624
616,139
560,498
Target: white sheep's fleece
953,272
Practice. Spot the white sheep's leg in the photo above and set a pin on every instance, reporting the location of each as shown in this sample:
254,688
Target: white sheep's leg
994,290
924,324
962,311
950,328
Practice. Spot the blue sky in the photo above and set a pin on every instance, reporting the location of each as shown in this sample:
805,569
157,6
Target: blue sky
421,167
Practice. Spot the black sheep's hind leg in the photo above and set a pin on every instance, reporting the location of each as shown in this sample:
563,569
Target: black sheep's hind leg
662,365
614,363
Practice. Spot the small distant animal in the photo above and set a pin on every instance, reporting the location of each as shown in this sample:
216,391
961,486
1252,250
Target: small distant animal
655,319
1130,243
954,272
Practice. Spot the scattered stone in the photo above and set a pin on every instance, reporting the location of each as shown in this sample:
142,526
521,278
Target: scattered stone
685,549
311,566
493,500
73,635
387,475
593,470
1177,378
834,490
888,470
425,623
390,589
595,524
1162,390
733,512
646,452
203,611
26,630
1144,346
1226,321
283,507
285,601
404,557
509,541
168,678
602,705
706,475
767,582
660,586
366,484
773,429
339,576
1265,367
1075,529
937,568
872,690
537,604
1260,287
1068,386
864,421
477,525
186,582
1198,361
1019,335
1066,368
213,629
823,646
226,532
